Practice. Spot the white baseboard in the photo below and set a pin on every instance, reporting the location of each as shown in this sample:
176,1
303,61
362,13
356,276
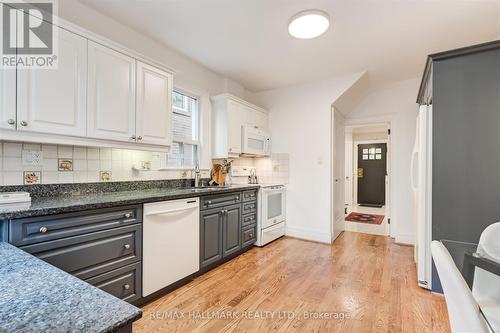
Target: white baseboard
404,239
308,234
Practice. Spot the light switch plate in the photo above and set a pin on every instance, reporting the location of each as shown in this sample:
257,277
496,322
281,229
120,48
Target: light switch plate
32,157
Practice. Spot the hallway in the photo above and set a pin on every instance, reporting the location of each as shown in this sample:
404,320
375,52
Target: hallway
363,283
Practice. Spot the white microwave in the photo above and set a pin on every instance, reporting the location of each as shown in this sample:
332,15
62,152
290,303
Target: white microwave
256,141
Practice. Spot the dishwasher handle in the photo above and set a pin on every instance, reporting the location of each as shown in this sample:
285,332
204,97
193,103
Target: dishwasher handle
174,210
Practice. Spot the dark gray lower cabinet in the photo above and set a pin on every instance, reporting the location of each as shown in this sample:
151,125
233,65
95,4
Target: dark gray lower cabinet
210,236
124,283
223,229
231,225
102,247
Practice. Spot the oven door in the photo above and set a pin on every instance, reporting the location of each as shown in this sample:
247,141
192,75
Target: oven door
273,206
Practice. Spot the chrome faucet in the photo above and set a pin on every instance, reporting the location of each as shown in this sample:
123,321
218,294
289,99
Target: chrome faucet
197,175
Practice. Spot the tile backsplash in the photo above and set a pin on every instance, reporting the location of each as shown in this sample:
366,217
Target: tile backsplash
273,169
27,163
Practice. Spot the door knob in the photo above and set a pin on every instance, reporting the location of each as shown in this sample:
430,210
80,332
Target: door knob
24,123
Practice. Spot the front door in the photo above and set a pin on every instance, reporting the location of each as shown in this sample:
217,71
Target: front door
372,169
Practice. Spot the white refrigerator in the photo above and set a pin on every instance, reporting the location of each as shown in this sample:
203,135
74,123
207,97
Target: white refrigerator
421,182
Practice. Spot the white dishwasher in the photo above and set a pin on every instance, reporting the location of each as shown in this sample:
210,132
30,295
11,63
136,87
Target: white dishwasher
171,242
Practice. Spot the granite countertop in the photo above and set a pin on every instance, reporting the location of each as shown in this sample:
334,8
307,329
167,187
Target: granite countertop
48,205
38,297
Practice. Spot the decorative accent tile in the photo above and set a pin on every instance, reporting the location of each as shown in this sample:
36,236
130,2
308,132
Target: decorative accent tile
32,177
65,164
105,176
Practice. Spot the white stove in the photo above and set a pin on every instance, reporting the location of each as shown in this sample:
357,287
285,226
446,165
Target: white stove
271,213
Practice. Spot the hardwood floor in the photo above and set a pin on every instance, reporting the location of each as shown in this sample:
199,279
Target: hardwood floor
368,279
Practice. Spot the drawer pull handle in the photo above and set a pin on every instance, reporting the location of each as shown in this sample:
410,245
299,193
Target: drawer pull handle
126,286
44,230
128,215
126,246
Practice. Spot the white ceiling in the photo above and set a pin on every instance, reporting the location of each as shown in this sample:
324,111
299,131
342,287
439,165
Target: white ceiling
248,41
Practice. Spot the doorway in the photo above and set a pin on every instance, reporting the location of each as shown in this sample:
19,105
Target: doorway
367,178
372,170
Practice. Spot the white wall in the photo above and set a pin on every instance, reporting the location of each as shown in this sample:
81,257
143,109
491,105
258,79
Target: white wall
301,125
395,102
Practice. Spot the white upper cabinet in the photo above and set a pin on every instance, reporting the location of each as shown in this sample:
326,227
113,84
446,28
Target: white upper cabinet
230,114
111,94
235,120
54,100
154,105
256,117
7,95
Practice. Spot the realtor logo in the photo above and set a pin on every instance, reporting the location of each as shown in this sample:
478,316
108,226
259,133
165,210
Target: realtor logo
28,34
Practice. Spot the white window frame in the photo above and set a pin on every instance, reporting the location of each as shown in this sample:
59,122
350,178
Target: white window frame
198,142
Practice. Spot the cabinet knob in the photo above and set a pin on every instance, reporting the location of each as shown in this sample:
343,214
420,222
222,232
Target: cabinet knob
126,246
236,198
126,286
127,215
44,230
132,137
24,123
139,138
209,202
230,149
11,121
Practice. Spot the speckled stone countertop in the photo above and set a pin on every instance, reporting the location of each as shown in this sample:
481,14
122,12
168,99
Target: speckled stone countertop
48,205
37,297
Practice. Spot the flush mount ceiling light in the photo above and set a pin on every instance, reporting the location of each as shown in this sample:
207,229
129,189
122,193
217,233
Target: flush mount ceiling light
309,24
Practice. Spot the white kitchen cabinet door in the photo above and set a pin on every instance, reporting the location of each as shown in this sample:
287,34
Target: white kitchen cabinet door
236,118
255,117
54,100
262,120
111,94
154,105
7,95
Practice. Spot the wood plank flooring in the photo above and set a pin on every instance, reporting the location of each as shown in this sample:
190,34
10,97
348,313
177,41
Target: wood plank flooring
361,283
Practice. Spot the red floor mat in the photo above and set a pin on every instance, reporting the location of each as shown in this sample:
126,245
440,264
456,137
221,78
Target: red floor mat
365,218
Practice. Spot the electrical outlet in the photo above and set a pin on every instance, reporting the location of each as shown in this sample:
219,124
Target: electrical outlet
32,157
